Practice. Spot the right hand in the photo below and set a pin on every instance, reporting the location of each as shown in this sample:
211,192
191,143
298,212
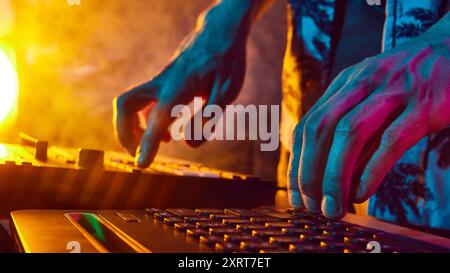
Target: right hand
205,66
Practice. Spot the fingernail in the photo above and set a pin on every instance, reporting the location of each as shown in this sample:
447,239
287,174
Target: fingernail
330,207
294,199
311,204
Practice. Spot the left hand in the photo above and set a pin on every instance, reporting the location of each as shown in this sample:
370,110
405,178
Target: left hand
368,118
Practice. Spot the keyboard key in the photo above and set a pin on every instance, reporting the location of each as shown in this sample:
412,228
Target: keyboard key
257,246
194,220
152,211
227,247
274,251
318,227
195,233
297,231
238,238
234,222
208,225
171,221
335,247
316,239
266,234
302,222
285,241
183,226
275,214
300,213
183,212
161,215
209,211
305,248
223,231
222,216
337,235
245,213
357,241
279,225
250,228
211,240
339,225
263,220
366,232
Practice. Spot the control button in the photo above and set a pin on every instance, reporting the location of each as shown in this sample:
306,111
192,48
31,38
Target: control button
90,159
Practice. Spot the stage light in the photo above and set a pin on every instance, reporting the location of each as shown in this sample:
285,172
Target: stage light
8,86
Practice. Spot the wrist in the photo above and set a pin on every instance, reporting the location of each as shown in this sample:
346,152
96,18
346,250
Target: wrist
227,23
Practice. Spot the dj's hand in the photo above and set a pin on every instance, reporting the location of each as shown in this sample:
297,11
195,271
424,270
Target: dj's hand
210,64
368,118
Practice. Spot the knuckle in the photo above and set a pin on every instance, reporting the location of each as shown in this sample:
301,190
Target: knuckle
344,128
349,127
313,125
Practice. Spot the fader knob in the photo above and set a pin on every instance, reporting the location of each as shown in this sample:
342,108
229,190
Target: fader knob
90,158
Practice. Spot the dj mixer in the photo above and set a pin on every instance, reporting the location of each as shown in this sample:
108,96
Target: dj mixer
35,174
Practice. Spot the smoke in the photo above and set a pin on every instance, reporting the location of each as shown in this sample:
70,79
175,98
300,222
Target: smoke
73,60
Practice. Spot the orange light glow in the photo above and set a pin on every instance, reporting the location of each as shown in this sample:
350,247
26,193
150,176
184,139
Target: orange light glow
2,151
8,86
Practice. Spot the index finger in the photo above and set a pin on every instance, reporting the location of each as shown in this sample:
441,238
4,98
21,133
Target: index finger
126,109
